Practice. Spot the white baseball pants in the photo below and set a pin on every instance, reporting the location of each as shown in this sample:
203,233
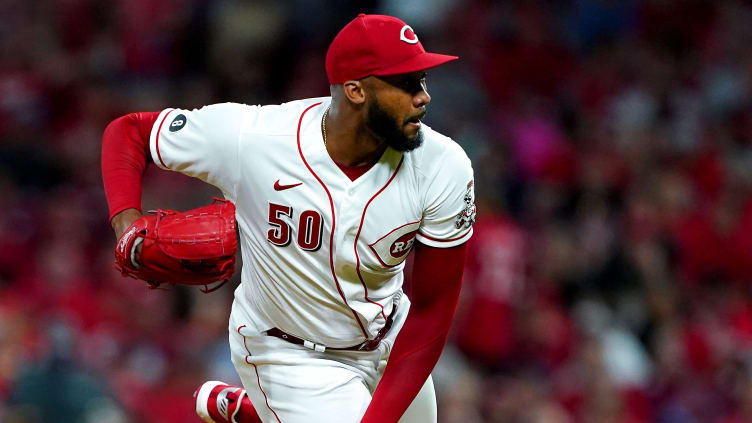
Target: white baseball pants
290,383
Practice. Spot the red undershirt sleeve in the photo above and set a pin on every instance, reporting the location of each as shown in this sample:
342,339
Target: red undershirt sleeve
437,277
125,154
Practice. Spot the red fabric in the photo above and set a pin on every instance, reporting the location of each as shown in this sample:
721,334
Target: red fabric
247,413
436,281
125,154
355,172
377,45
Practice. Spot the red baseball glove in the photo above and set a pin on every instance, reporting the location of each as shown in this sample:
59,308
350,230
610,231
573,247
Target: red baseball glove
196,247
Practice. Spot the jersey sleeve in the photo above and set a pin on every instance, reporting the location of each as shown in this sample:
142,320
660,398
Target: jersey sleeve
202,143
449,211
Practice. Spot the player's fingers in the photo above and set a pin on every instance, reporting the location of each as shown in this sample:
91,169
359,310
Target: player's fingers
137,255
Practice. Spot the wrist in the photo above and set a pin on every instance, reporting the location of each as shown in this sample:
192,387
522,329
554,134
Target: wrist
122,220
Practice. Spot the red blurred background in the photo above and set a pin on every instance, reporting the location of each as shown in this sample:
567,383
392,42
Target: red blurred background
609,274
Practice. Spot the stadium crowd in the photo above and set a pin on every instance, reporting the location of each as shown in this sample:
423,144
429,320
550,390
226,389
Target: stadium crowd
609,274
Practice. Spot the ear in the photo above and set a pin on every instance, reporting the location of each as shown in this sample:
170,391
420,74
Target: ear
354,91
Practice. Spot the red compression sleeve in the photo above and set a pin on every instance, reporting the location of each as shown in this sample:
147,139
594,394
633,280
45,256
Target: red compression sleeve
437,277
125,154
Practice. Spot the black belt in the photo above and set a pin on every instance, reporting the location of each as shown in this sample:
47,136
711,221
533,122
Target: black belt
367,345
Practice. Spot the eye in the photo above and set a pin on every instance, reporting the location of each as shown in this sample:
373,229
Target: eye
413,85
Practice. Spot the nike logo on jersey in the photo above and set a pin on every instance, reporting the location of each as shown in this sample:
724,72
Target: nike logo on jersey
280,187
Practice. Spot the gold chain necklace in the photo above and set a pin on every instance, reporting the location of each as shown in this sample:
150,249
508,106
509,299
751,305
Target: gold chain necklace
323,124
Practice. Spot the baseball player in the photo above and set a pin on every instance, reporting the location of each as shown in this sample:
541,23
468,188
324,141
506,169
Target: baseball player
332,194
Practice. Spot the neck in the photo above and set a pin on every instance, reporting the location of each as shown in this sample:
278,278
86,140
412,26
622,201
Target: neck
348,141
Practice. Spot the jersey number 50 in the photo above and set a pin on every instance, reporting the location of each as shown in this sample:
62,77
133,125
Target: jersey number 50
310,227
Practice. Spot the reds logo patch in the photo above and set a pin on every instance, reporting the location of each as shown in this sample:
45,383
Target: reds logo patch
466,217
392,248
402,245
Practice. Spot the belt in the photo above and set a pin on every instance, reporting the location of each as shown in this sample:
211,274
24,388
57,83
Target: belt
367,345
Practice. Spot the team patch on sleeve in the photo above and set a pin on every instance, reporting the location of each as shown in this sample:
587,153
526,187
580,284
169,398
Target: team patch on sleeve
466,217
178,123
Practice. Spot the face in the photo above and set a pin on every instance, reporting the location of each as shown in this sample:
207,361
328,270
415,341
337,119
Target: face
396,106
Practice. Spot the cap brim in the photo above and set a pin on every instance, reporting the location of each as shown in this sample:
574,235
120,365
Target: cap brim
416,63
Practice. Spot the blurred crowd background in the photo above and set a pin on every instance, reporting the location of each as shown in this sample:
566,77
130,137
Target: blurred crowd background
609,274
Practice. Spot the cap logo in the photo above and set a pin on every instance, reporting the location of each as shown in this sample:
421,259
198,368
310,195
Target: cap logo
404,33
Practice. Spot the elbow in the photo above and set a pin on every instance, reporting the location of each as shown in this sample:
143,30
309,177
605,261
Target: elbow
115,128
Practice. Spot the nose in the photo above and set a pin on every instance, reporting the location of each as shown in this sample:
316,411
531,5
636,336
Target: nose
421,98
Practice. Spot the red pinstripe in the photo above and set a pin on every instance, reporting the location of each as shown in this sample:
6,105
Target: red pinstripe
331,234
258,379
360,227
156,142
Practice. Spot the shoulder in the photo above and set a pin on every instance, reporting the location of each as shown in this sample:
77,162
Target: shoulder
438,153
281,119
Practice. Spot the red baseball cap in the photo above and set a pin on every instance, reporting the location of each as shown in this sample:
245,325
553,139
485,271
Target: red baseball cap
377,45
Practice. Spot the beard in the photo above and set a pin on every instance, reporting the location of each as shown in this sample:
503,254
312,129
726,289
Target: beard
386,128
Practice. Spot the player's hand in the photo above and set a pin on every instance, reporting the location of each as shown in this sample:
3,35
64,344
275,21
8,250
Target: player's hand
194,247
121,221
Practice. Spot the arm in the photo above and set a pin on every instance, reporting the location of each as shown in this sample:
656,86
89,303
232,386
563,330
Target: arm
201,143
437,277
125,155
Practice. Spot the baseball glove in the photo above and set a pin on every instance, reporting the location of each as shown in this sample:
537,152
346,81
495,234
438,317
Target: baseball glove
196,247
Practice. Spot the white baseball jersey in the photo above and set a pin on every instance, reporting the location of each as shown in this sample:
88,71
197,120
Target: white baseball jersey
322,254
